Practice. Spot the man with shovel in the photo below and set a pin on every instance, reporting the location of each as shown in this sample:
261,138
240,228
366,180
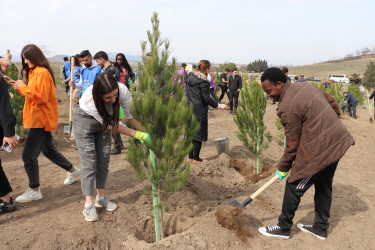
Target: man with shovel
315,142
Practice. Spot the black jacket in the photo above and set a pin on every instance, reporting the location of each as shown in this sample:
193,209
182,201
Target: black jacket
235,84
351,99
198,94
7,118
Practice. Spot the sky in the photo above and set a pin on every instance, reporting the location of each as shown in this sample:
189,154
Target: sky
283,32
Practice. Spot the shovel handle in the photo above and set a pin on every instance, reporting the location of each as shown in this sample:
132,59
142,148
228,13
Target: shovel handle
71,89
261,189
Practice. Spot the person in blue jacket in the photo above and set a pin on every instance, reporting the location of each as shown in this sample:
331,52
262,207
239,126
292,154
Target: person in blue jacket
66,71
352,104
88,73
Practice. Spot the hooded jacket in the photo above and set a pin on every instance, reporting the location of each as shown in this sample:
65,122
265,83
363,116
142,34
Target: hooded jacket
315,136
88,76
198,94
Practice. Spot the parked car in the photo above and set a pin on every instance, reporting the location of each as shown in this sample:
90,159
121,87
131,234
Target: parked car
292,77
310,79
339,78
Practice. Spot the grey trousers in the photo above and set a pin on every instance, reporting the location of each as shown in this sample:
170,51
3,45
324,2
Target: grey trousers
94,148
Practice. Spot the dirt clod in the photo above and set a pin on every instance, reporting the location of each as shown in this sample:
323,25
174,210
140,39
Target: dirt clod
232,218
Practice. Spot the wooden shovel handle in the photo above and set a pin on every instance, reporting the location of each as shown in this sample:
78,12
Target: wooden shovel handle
71,89
261,189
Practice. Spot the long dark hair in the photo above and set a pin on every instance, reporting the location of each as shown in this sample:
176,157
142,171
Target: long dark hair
124,63
104,84
76,61
36,57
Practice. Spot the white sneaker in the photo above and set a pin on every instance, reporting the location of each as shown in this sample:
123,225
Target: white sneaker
29,195
70,177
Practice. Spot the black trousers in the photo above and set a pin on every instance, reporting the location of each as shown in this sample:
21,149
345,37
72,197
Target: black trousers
118,141
354,107
38,140
233,97
224,89
194,154
5,187
322,198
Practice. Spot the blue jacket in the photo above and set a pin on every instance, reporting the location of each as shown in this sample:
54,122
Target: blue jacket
88,76
351,99
67,69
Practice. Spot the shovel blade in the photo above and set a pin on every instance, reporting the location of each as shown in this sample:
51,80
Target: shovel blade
67,129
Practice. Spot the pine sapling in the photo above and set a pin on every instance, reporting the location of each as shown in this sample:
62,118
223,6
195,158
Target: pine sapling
249,119
167,118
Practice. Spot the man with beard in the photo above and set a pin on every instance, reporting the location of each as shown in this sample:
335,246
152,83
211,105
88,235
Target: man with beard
89,72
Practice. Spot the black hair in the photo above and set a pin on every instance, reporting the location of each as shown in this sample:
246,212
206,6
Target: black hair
274,75
227,70
235,69
65,58
285,70
104,84
125,63
85,53
101,55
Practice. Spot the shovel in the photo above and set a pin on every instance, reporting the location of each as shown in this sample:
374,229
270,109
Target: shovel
254,195
68,129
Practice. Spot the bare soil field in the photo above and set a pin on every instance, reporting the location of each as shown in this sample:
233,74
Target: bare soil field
191,220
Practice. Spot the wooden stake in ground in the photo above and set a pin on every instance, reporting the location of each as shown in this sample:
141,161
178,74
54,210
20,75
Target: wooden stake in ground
369,106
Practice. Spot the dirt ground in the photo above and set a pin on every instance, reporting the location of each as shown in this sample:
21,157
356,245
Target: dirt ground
56,221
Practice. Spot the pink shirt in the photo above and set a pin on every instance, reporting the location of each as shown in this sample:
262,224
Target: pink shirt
123,74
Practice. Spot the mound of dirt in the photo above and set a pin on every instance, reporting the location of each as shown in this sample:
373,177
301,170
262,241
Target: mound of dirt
232,218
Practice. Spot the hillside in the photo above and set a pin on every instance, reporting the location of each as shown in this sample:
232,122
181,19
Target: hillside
323,70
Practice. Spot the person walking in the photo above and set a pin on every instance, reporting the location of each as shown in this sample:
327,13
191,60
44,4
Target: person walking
224,84
198,95
96,115
40,116
234,88
313,150
66,72
352,102
7,135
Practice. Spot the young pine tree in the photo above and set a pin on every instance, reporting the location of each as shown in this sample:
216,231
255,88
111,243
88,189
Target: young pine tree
17,101
249,119
168,120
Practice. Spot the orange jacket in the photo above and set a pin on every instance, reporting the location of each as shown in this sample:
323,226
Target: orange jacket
40,109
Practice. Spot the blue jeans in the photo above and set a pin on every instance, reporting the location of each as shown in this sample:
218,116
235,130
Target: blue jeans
38,140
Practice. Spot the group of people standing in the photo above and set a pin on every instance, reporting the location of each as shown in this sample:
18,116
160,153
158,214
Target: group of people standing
100,94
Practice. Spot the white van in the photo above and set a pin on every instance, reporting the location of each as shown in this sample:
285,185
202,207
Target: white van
339,78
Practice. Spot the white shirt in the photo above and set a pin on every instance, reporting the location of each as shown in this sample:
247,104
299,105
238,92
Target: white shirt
87,104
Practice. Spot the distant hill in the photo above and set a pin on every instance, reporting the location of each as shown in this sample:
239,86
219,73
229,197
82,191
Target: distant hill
324,69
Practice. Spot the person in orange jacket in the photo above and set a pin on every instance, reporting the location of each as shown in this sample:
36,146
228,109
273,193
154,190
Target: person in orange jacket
40,116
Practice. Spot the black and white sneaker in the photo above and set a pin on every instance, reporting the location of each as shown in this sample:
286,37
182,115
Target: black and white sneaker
7,207
275,231
312,230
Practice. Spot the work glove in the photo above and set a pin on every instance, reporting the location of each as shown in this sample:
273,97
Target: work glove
142,136
281,174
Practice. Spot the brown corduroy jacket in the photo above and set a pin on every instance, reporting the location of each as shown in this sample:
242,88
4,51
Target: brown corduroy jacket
315,136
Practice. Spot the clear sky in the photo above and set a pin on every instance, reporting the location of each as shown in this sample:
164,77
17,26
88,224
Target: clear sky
284,32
